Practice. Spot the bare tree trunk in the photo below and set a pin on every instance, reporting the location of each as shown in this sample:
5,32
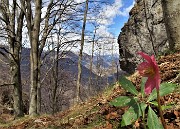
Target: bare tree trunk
113,63
39,87
56,76
98,67
16,80
171,12
37,44
15,68
34,59
14,31
117,71
16,71
80,54
91,61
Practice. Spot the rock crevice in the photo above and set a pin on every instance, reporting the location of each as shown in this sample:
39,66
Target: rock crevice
145,31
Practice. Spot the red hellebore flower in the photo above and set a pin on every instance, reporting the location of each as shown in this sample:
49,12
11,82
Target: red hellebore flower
149,69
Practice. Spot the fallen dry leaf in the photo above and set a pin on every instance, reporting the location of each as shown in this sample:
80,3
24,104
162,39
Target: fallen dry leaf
112,115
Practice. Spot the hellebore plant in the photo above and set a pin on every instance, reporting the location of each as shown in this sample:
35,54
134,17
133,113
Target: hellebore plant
150,69
138,102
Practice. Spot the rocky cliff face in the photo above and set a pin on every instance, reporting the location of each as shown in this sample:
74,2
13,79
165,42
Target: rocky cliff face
145,31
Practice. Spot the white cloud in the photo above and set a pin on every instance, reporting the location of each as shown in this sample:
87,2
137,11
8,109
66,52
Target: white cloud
112,11
102,31
109,12
125,11
79,1
44,10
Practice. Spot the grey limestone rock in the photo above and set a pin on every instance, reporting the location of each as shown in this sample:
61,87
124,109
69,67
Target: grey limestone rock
145,31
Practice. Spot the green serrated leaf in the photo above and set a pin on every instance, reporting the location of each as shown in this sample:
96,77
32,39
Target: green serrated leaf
133,113
143,81
129,117
139,108
127,85
152,120
142,108
165,88
121,101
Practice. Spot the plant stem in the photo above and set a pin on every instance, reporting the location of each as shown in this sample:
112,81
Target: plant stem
160,110
144,123
143,117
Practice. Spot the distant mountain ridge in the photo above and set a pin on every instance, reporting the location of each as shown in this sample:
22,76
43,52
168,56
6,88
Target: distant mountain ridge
67,77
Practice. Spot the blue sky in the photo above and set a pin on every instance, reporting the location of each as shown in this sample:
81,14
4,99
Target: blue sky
120,19
111,19
115,15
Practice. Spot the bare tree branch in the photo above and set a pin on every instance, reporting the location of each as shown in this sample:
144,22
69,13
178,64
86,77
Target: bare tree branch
2,85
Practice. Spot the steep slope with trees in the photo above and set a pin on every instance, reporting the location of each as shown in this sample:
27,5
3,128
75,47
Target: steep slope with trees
66,81
97,113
